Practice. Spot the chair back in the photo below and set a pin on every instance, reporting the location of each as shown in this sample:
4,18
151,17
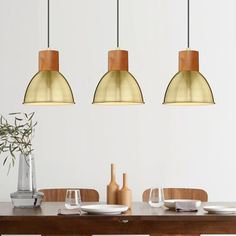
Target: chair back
180,193
59,194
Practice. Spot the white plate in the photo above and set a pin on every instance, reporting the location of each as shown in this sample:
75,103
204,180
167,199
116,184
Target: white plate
104,209
171,203
220,209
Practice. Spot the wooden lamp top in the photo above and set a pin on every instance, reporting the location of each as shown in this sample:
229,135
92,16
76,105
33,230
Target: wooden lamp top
118,60
188,60
49,60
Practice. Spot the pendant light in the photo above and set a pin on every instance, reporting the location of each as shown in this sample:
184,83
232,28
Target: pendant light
188,86
118,86
48,86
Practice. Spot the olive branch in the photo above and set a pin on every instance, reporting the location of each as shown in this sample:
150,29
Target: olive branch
16,136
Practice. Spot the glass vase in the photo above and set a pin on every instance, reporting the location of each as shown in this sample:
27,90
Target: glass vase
26,195
26,174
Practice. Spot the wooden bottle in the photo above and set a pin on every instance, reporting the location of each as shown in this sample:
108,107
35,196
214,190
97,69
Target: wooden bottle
112,188
125,194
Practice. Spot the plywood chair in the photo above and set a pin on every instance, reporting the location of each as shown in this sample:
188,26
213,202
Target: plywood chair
179,193
59,195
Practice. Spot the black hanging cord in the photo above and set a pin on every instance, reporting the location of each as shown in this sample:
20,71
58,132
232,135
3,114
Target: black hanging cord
188,27
48,23
118,23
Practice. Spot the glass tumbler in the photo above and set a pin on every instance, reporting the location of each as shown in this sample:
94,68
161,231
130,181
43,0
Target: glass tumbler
156,197
73,199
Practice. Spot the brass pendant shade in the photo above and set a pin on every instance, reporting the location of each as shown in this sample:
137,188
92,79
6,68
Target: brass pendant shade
48,86
188,86
118,86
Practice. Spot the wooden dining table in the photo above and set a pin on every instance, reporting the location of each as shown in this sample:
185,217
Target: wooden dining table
141,219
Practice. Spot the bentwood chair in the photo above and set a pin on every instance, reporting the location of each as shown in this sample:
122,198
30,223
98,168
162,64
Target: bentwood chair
179,193
59,195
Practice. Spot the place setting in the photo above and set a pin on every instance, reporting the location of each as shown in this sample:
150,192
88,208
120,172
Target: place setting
157,199
74,206
72,203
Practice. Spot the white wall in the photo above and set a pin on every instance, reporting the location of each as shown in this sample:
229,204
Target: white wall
155,144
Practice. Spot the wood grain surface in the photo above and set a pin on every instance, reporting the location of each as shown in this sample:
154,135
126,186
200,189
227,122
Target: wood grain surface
49,60
188,60
141,219
59,194
118,60
180,193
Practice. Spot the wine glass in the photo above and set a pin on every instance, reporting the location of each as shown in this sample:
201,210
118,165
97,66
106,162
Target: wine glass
73,199
156,197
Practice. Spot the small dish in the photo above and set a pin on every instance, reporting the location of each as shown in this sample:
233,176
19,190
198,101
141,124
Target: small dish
220,209
171,203
104,209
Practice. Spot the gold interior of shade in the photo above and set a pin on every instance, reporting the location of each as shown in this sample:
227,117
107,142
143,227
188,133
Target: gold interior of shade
118,88
188,88
48,88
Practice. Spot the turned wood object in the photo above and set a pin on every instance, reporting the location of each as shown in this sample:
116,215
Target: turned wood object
125,194
118,60
112,187
188,60
49,60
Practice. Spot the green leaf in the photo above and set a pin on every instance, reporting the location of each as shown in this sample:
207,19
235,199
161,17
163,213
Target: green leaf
19,119
10,149
9,168
4,162
13,162
31,116
14,113
14,149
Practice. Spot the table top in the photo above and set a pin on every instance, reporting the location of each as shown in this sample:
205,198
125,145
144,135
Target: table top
141,219
138,209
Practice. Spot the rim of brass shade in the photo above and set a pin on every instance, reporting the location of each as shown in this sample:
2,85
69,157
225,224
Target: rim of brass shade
118,86
48,86
188,86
